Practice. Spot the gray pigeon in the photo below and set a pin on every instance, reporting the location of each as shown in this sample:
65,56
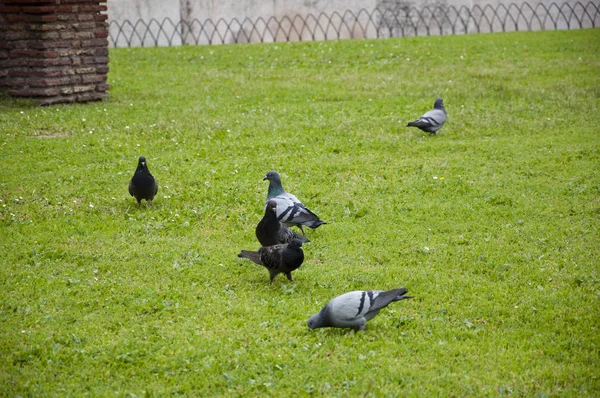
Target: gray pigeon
433,120
278,258
290,211
354,309
142,185
270,231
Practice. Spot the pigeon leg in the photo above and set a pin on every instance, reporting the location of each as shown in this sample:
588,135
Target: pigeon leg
301,229
289,276
149,202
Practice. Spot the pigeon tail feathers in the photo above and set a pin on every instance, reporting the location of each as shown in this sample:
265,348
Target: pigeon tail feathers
253,256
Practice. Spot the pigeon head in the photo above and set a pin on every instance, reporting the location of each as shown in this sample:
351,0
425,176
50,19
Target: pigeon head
439,104
275,187
272,206
142,161
272,176
318,320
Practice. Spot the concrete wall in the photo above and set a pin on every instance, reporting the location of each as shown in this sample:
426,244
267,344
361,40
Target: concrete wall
175,22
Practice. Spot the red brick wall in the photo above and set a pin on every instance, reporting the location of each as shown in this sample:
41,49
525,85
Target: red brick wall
54,51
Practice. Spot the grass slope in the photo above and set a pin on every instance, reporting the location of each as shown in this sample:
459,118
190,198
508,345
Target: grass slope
493,225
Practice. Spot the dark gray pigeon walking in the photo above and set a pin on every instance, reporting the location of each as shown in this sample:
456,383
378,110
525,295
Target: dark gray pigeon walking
142,185
354,309
433,120
290,211
270,231
278,259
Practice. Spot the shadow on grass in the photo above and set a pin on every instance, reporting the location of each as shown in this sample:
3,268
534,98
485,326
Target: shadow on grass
8,102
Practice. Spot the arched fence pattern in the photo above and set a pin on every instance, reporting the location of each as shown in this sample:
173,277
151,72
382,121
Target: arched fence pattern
377,23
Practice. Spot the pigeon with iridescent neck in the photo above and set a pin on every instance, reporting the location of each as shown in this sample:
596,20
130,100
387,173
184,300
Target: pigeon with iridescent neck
290,211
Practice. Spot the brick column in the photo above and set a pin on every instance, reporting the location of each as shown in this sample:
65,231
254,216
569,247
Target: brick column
54,51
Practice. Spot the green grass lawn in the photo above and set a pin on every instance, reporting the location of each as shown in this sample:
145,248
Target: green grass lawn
493,225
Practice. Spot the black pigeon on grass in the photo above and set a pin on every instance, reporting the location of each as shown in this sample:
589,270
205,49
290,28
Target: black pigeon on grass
270,231
278,259
433,120
354,309
290,211
142,185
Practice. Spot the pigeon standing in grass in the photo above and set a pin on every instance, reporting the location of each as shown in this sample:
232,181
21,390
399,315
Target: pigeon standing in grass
142,184
290,211
270,231
278,258
354,309
433,120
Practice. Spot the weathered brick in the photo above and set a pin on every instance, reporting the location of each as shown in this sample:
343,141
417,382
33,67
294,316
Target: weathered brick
12,62
83,25
101,33
50,35
37,44
93,78
85,17
83,71
37,2
45,62
67,35
13,82
35,92
48,82
101,51
58,45
102,68
14,26
43,18
95,43
67,17
85,35
33,53
92,8
35,72
83,88
71,52
94,60
16,18
48,26
10,10
46,9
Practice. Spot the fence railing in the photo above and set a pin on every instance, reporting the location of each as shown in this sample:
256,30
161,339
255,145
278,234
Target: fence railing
378,23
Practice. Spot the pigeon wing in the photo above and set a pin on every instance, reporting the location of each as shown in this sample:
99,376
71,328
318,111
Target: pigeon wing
435,117
352,305
286,235
271,256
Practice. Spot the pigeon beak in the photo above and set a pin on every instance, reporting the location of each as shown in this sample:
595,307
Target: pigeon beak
265,178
